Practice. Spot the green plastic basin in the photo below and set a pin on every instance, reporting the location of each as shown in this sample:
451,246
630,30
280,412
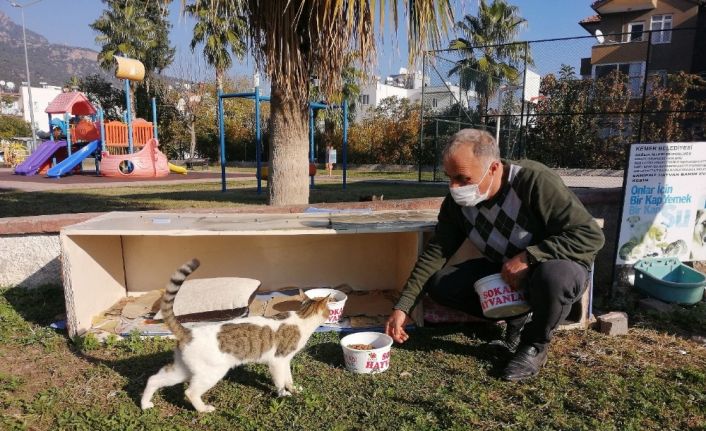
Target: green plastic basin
670,280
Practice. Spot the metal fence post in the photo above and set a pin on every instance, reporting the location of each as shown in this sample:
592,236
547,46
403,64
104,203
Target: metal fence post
421,116
222,138
644,87
523,128
436,147
258,142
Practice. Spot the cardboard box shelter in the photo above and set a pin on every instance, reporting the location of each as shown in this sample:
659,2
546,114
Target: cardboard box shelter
119,254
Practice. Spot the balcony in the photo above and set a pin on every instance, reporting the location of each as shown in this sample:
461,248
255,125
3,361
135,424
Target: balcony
619,52
618,6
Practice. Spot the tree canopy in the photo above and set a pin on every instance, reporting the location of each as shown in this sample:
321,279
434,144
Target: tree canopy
221,30
490,56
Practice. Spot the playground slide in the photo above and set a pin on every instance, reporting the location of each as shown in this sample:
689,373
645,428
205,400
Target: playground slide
177,169
40,156
74,159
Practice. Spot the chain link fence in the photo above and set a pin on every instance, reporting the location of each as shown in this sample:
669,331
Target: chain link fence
574,104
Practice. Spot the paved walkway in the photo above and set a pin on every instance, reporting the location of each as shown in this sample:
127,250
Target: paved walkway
33,183
9,181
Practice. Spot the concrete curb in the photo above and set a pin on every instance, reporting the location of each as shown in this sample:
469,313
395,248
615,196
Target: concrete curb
48,224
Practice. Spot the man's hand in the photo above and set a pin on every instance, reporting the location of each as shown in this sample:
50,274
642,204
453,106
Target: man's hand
394,327
515,270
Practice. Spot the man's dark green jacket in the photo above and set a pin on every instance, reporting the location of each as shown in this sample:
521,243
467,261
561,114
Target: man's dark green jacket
560,225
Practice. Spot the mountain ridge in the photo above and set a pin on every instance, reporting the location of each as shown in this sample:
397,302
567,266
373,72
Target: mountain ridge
52,63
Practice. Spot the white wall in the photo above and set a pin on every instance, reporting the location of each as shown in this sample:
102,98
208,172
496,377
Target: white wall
446,96
41,97
376,92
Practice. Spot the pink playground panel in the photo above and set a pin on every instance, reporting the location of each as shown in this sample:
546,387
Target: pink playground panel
149,162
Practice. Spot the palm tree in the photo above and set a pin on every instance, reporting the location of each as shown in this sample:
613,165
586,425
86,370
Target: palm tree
133,29
291,41
221,30
490,56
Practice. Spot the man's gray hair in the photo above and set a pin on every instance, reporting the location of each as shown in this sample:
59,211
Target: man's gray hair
481,142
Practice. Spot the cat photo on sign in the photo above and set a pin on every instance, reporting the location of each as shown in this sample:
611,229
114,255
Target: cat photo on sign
698,245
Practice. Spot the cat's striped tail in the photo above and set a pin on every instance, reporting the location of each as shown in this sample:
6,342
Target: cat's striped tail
181,333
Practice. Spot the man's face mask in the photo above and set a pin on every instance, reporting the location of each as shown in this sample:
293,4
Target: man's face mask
470,195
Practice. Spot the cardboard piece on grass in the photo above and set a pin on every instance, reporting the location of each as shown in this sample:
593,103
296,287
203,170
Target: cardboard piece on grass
143,304
257,307
284,302
370,303
213,294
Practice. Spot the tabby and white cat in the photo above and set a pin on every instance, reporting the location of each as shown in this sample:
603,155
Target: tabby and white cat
205,354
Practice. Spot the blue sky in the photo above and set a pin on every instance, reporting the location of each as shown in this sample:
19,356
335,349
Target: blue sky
67,22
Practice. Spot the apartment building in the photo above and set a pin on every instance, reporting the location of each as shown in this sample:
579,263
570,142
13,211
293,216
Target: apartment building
622,29
408,85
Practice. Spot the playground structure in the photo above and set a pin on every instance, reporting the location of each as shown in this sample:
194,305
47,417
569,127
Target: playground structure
112,143
148,162
262,171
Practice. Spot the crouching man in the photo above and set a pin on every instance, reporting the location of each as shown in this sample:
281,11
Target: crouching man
528,226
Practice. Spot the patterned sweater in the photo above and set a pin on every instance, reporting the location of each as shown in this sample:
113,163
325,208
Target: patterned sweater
532,211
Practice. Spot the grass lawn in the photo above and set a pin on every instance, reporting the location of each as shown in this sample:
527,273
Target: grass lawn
195,195
445,377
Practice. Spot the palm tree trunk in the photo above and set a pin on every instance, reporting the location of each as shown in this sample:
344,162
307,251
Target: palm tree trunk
192,131
289,164
219,79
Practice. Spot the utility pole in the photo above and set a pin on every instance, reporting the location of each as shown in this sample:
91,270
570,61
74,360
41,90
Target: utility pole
29,81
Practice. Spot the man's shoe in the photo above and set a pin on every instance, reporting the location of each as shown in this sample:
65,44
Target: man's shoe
525,364
511,340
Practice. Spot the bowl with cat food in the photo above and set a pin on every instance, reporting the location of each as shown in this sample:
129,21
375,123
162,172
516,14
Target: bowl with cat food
337,300
366,352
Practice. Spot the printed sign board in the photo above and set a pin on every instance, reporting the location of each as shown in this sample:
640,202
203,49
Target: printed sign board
664,210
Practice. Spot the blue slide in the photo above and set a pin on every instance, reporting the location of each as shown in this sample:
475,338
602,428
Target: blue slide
74,159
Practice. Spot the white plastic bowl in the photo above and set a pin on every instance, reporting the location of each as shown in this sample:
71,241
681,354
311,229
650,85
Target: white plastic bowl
375,360
335,306
498,300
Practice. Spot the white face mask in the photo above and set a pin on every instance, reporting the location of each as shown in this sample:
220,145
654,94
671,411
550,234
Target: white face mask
470,195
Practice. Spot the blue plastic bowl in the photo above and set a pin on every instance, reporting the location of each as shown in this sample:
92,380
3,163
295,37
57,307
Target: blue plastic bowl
670,280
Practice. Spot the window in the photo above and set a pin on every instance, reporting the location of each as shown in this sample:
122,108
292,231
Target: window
657,78
662,28
434,103
364,99
632,70
635,31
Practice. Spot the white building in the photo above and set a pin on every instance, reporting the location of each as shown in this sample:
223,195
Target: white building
10,104
408,85
41,97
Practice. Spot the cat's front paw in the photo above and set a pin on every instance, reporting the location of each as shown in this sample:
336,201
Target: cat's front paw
295,389
283,393
147,405
207,409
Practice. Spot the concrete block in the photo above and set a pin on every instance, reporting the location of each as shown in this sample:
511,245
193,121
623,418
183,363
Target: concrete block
29,260
653,304
613,323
